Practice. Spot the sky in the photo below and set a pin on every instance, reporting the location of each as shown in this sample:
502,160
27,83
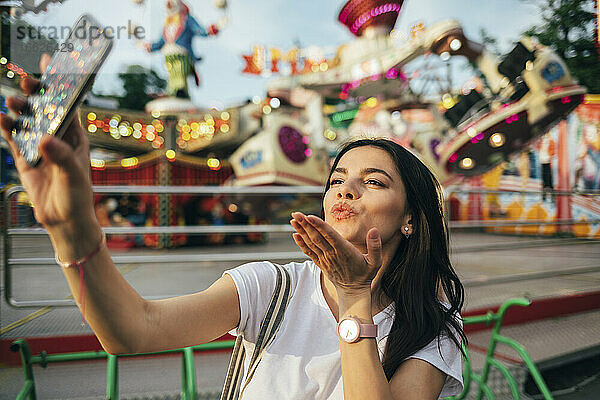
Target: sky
269,23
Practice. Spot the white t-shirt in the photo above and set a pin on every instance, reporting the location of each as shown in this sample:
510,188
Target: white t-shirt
303,361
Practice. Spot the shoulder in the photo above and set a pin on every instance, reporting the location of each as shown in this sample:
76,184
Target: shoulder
440,358
260,277
258,269
265,271
255,283
443,353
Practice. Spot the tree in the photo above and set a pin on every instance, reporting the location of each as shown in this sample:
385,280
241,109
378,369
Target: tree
490,42
568,28
491,45
141,85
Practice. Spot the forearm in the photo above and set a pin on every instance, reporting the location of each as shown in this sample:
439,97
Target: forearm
113,309
362,372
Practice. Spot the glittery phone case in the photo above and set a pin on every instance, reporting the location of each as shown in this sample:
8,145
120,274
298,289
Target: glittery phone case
68,76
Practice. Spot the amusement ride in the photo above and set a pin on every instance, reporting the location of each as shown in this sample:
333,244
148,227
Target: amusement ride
367,87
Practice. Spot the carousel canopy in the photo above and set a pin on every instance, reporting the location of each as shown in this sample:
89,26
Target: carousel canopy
358,15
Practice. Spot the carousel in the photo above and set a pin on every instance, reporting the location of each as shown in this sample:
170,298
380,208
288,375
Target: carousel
369,83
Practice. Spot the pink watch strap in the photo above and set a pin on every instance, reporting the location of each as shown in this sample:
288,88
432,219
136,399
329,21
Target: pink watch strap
368,330
364,330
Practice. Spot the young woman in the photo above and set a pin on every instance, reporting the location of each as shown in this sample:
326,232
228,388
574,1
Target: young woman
378,257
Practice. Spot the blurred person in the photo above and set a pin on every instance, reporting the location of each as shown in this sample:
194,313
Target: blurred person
234,216
546,152
104,210
590,159
378,257
131,208
123,207
217,218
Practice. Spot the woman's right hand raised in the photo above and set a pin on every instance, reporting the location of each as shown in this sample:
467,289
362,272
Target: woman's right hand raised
60,186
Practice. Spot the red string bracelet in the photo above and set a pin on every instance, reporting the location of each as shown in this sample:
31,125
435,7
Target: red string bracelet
81,264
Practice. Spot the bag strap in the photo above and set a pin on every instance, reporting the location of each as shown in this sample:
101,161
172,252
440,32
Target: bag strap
236,364
268,329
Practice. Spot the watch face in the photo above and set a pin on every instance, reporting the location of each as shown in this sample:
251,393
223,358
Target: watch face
348,330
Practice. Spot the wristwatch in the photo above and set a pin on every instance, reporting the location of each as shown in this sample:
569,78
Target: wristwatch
351,330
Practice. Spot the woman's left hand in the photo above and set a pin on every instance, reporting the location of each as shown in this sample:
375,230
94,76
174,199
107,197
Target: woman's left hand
346,267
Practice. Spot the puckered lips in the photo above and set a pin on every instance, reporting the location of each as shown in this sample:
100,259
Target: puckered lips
342,211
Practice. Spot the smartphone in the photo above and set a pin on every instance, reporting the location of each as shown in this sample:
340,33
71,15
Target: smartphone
70,73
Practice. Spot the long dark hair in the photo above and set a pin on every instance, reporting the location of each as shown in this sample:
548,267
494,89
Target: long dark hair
420,264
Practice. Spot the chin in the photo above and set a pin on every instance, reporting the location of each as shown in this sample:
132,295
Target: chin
351,234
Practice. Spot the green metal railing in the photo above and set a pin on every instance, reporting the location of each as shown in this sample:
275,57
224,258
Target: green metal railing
481,380
188,369
188,375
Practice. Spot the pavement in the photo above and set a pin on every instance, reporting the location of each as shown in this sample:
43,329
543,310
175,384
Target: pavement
493,268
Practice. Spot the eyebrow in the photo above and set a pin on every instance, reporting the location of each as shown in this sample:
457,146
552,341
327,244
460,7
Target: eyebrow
365,171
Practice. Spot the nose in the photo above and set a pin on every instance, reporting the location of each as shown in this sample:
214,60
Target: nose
345,191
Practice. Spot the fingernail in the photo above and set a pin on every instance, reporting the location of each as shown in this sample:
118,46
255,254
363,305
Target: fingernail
374,235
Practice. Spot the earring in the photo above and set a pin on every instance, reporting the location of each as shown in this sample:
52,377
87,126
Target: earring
406,232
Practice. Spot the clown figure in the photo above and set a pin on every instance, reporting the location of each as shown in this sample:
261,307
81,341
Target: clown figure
176,45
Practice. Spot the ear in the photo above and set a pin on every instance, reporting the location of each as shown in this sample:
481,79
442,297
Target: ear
406,223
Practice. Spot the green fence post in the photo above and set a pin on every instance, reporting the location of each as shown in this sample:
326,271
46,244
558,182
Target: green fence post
498,317
535,373
488,357
28,391
484,387
112,377
184,383
188,375
512,383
